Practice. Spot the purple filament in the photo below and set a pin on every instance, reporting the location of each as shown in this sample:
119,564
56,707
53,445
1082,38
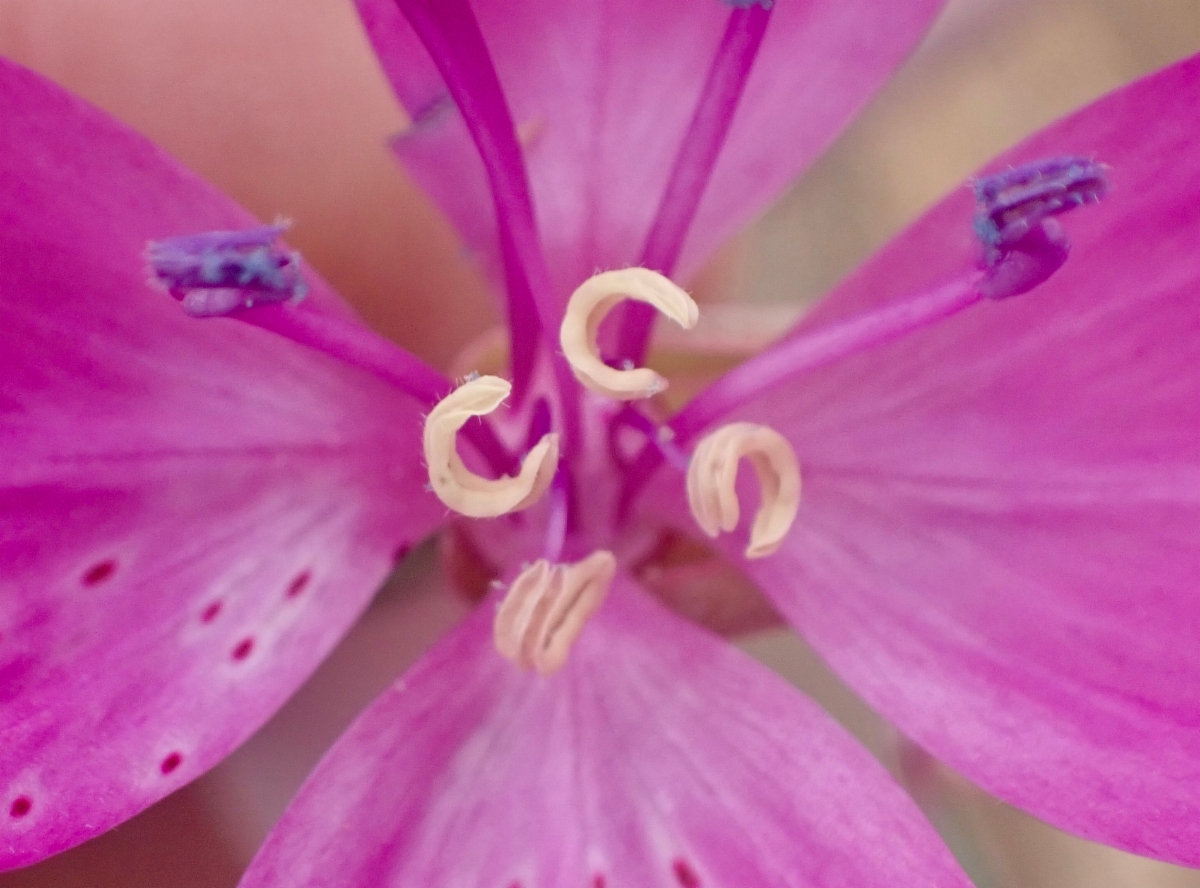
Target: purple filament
354,344
802,354
220,272
695,162
451,35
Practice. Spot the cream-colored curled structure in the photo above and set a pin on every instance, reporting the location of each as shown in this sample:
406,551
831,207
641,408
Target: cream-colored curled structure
460,488
546,608
712,475
589,305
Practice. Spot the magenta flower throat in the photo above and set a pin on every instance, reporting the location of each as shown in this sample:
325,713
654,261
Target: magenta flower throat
968,477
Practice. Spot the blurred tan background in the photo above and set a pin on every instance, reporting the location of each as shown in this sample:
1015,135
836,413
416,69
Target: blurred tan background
280,103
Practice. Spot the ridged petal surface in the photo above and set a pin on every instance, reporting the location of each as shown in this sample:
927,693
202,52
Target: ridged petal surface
660,756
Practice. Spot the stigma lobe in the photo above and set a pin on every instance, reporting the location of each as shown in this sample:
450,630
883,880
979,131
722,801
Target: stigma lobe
220,272
712,477
587,308
547,607
460,488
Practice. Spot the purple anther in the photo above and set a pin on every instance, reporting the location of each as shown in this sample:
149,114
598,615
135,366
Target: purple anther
1023,244
1014,202
220,272
746,4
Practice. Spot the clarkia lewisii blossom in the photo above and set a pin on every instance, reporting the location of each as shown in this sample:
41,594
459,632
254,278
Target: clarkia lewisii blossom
995,543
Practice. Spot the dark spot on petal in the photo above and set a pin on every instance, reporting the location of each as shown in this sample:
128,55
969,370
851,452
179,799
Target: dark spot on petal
210,612
401,553
684,874
99,572
170,763
598,881
21,806
298,585
243,649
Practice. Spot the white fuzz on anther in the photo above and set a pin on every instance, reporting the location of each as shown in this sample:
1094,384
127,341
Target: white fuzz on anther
589,305
460,488
712,475
546,608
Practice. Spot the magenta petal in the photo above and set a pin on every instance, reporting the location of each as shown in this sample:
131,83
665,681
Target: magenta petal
997,545
437,149
605,90
191,512
660,756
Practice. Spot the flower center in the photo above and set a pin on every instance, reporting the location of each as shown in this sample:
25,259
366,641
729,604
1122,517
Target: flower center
569,516
547,602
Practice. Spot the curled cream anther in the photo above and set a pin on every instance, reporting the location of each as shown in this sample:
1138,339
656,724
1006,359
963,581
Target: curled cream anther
546,608
589,305
460,488
712,474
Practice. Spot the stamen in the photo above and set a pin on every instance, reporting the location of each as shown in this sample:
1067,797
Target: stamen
221,272
587,308
1024,246
713,474
460,488
180,262
546,608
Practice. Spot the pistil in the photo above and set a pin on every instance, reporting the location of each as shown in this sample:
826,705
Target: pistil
658,436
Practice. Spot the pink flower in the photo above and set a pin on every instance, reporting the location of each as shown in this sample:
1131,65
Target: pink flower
995,543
